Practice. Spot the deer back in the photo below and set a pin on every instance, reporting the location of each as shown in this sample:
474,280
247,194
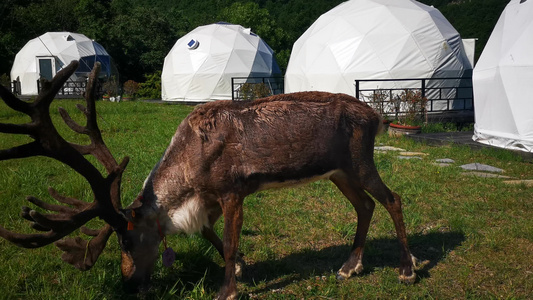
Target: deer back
247,146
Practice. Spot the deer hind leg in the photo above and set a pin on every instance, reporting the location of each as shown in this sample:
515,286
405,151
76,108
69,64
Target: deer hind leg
233,216
209,234
364,207
373,184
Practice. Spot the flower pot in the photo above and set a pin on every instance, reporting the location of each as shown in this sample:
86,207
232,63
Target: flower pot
399,130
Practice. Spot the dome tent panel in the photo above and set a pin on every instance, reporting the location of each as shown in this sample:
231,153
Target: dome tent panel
502,81
221,51
57,49
374,39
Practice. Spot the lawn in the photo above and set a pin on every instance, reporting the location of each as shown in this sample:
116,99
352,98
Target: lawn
474,236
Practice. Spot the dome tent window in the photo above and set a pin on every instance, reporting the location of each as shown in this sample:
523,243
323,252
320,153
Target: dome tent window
193,44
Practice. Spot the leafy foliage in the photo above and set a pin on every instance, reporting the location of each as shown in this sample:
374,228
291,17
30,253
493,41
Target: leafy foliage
252,91
130,87
151,88
139,33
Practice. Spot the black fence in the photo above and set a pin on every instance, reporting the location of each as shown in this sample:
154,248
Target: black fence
71,89
15,87
250,88
442,94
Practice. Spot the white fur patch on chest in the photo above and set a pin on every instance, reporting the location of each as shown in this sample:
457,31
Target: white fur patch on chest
189,218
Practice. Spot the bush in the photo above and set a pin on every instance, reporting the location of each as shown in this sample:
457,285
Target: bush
151,88
130,88
5,81
410,107
252,91
111,87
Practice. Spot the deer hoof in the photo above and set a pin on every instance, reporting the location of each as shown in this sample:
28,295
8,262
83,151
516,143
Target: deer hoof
239,266
407,279
223,296
416,262
345,272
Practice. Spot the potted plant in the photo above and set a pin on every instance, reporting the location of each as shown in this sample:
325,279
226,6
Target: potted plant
130,88
379,101
252,91
110,88
410,112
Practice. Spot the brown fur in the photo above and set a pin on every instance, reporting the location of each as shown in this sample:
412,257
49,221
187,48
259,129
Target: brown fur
224,151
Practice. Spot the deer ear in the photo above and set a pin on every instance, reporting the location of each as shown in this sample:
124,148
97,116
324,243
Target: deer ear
129,215
137,216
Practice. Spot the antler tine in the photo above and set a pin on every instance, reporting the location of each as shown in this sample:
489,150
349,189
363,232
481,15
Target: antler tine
59,230
49,89
83,254
48,142
13,102
97,147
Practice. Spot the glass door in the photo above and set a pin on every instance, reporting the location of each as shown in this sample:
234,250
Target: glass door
47,68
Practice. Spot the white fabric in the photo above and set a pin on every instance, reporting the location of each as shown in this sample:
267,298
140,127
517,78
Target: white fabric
63,46
503,77
470,49
203,73
375,39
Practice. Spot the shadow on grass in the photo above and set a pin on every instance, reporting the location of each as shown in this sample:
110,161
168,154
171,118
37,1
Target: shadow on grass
379,253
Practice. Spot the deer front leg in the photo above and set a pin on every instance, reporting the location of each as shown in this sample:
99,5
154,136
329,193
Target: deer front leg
209,234
233,215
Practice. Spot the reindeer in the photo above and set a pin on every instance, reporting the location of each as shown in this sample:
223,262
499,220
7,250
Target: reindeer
222,152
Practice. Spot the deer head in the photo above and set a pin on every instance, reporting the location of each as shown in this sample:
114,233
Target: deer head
73,214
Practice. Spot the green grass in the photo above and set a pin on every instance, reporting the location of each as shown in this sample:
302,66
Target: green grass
474,235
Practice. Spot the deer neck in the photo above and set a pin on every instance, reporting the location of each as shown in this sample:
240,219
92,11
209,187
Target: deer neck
178,208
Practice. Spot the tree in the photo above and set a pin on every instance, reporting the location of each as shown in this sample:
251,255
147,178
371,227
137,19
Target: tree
139,40
249,14
93,18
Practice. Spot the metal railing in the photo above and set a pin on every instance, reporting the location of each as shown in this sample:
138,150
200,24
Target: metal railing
443,94
249,88
15,87
73,89
70,88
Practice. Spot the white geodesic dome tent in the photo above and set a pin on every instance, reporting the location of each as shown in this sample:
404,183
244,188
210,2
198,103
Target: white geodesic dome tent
45,55
375,39
201,64
503,81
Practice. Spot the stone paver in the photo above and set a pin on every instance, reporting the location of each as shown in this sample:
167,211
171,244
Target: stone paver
388,148
528,182
473,169
445,161
485,175
409,157
481,167
409,153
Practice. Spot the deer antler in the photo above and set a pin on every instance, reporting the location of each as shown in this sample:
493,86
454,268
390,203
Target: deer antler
48,142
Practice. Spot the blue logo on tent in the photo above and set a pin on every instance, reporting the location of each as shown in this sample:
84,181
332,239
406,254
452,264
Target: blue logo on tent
193,44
